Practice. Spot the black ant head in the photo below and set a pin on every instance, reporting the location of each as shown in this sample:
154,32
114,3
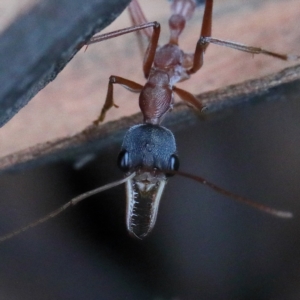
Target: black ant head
148,147
149,151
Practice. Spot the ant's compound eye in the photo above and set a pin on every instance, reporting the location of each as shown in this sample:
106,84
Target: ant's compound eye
173,164
123,161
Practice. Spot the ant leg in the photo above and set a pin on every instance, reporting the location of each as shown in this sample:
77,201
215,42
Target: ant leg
113,34
109,101
206,39
151,49
205,32
137,17
207,19
249,49
189,98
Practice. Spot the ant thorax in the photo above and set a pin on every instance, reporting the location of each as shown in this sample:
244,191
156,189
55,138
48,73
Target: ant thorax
171,59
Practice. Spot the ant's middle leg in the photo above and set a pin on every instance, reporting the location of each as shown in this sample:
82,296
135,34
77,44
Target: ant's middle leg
109,101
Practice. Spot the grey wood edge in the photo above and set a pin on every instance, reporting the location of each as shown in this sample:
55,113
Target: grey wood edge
39,43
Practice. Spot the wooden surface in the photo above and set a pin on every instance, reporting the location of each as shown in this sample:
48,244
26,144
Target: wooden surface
74,99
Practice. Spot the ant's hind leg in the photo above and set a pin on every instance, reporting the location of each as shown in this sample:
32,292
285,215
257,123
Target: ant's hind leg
151,49
137,17
205,32
189,98
248,49
109,101
206,39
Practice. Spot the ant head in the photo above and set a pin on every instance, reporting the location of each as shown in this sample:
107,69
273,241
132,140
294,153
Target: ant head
149,147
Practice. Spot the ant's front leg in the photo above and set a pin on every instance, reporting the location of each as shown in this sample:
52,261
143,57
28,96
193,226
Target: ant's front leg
109,101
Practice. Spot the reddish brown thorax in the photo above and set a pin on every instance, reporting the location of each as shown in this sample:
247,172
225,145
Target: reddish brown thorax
156,98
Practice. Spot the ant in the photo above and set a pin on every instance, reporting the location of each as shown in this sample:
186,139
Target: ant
148,154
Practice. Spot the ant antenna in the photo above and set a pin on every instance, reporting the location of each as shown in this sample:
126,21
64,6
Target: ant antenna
259,206
72,202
